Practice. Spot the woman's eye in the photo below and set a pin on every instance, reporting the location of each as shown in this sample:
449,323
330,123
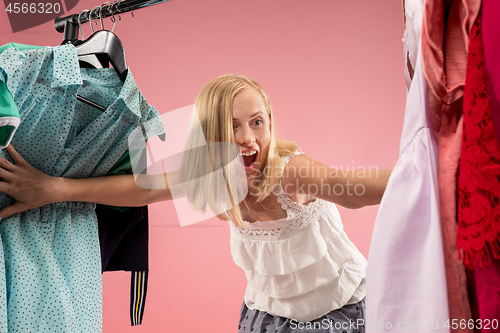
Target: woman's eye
258,122
234,127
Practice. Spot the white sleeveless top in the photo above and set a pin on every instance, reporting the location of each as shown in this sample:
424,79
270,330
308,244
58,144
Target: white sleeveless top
300,267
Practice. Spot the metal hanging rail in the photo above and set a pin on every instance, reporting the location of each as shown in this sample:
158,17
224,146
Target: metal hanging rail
69,24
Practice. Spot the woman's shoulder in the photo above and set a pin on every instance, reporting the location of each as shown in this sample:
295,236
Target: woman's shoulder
295,169
292,163
287,156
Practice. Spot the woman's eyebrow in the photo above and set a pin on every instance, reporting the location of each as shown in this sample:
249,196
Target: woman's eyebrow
253,115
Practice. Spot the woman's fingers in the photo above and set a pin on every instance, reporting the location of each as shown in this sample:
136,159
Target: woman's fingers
16,207
4,187
5,174
14,154
5,164
26,184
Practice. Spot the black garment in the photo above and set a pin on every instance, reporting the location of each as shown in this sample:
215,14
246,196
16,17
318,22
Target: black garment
124,238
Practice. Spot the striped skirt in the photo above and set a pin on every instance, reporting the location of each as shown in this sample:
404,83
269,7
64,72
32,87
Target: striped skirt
348,319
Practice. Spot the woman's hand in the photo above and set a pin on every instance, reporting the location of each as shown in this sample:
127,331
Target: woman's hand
29,186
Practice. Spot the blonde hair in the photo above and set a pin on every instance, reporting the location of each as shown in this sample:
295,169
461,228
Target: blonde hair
214,107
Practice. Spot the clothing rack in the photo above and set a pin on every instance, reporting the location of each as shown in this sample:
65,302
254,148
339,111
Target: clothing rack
69,25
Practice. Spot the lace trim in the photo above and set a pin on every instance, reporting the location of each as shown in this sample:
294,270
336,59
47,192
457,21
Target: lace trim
283,227
298,215
478,190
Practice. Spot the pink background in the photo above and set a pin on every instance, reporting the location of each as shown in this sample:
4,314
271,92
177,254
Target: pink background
334,73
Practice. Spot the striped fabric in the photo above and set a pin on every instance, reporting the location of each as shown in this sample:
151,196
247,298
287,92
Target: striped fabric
138,290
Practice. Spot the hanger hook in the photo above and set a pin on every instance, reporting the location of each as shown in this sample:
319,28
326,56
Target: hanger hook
116,3
110,11
90,18
113,19
114,22
80,22
119,2
100,16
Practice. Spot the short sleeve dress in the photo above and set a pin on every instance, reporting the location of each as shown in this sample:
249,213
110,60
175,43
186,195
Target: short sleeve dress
301,268
50,276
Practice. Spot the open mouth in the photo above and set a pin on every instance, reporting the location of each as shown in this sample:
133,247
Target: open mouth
249,158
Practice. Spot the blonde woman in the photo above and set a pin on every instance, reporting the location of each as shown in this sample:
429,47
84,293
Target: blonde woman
303,272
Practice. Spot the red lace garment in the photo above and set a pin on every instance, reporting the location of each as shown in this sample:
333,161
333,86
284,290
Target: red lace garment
478,233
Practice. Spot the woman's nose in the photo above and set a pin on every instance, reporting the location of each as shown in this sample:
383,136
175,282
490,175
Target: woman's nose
245,137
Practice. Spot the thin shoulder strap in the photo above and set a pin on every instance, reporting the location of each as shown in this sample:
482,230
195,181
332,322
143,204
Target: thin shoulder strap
286,159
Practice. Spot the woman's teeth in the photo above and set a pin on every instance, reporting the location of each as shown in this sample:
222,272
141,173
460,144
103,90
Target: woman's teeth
249,153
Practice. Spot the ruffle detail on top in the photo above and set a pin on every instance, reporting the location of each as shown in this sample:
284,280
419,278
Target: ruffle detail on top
316,303
261,251
327,269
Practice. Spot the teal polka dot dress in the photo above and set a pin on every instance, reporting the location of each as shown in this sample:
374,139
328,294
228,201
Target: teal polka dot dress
50,265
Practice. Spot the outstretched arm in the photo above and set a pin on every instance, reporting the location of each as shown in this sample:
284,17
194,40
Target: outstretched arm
32,188
304,179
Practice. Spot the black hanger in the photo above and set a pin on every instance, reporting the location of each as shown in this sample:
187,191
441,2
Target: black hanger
107,48
100,49
97,51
